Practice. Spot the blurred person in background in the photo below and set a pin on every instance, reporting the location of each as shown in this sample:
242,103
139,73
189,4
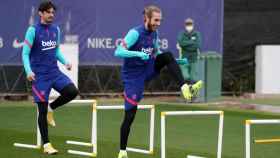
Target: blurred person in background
189,44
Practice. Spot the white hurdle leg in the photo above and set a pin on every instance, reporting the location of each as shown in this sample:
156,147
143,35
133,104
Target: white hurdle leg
220,135
162,135
152,130
94,128
247,139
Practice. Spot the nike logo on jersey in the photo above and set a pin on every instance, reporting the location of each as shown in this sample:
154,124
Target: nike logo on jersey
48,45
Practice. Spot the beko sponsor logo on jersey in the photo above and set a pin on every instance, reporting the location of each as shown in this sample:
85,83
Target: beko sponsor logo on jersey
147,50
48,45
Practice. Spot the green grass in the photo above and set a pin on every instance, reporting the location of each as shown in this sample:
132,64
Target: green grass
184,135
263,101
275,101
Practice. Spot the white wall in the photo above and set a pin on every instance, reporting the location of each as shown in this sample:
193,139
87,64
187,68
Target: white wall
267,58
71,53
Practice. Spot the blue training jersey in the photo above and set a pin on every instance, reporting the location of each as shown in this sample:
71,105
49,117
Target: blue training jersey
138,39
41,49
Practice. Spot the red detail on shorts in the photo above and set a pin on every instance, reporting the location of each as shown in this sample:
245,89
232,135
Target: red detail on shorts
38,94
135,103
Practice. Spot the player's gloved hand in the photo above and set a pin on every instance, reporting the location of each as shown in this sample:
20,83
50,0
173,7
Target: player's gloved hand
31,76
68,66
144,56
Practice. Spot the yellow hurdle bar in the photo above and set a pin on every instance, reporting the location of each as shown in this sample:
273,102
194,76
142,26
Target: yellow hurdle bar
267,140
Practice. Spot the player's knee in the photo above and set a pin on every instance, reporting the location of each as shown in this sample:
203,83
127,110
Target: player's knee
70,91
73,93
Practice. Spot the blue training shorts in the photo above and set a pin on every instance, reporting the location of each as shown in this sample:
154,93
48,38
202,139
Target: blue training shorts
43,84
134,86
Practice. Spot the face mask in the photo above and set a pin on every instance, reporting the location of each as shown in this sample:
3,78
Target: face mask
189,28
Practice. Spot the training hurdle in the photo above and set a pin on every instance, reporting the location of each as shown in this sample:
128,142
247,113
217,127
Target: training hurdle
164,114
39,140
248,124
93,142
32,146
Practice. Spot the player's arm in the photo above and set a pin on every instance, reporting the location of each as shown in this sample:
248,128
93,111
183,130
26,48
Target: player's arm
184,41
28,42
58,54
157,47
60,57
129,40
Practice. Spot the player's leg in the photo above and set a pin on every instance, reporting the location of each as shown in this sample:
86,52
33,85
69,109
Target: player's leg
125,130
43,127
68,92
42,121
132,95
167,59
40,91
